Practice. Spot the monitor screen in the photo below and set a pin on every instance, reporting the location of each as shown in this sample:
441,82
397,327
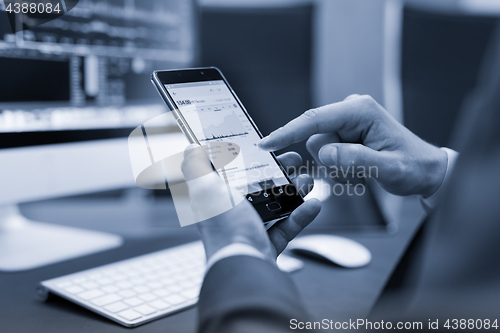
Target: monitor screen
86,74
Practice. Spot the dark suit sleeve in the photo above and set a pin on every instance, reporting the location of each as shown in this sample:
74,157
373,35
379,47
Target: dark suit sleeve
247,294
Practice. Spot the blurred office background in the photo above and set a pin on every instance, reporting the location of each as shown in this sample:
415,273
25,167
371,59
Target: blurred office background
73,89
85,77
420,57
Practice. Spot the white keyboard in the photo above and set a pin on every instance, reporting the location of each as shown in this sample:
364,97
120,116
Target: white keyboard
138,290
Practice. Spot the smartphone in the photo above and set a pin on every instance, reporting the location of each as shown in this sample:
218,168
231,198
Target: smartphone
207,110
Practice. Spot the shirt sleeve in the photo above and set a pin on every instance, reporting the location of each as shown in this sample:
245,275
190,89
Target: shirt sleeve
234,249
430,203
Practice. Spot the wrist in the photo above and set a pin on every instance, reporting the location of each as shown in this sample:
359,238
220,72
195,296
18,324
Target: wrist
213,246
215,239
434,170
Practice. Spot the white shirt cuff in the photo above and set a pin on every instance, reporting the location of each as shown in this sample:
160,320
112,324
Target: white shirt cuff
235,249
431,202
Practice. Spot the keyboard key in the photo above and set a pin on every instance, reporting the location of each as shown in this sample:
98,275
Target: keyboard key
130,315
174,299
191,264
171,279
192,271
181,276
117,277
138,266
89,285
133,273
129,272
126,293
187,283
63,284
198,279
164,272
110,271
148,297
145,309
138,280
104,280
88,295
162,292
150,277
124,284
74,289
200,269
133,301
154,285
176,268
111,298
141,289
175,288
110,288
191,293
160,305
183,264
115,307
79,280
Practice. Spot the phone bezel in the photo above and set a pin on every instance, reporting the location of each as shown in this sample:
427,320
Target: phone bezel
160,78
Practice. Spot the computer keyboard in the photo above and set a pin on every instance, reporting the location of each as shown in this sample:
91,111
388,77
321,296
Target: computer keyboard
135,291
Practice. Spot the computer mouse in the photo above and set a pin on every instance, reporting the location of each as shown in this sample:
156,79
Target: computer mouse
339,250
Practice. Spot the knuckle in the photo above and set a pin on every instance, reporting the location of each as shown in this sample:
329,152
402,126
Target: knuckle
280,130
367,99
284,234
350,156
399,170
404,167
312,113
353,155
370,107
353,96
358,156
311,118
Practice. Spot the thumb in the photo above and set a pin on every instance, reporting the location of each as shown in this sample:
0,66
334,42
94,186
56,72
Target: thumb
344,155
196,162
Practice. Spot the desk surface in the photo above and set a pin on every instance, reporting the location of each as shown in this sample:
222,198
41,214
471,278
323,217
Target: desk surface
329,291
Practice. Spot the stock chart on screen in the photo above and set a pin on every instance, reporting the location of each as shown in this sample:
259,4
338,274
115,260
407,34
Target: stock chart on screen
89,68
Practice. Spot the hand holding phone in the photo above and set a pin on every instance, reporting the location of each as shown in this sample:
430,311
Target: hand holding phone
241,223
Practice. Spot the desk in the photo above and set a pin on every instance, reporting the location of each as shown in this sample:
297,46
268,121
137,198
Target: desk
329,291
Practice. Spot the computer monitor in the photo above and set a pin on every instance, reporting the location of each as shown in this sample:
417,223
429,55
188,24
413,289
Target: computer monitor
71,91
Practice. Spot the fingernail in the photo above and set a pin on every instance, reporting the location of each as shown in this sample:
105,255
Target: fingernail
328,155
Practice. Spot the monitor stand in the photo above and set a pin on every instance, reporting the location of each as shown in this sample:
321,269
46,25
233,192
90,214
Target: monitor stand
26,244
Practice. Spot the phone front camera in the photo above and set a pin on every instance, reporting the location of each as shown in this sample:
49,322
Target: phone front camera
202,73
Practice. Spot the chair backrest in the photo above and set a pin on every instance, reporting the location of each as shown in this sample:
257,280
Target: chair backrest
441,56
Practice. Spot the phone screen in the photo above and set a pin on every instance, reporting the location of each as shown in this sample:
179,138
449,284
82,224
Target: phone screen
214,115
